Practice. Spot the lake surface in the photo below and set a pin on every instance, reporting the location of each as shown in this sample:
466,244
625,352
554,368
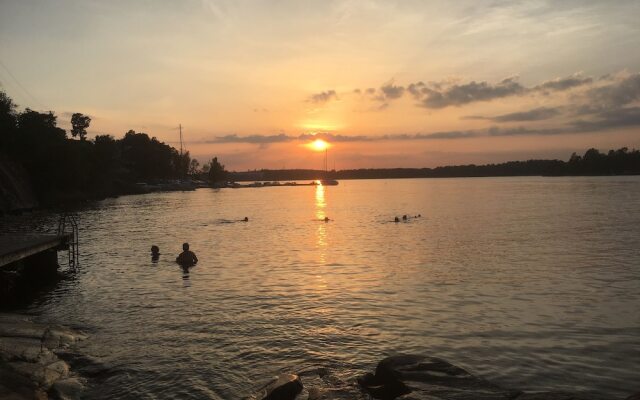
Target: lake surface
531,282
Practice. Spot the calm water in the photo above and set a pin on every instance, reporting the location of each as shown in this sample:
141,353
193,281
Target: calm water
531,282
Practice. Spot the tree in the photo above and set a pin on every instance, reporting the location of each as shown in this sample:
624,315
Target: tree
79,125
194,167
217,172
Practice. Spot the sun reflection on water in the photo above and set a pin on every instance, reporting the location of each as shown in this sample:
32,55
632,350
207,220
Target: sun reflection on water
321,232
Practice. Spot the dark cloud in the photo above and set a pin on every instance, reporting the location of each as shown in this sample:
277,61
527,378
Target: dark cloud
390,91
560,84
323,97
458,95
618,93
610,119
522,131
416,89
536,114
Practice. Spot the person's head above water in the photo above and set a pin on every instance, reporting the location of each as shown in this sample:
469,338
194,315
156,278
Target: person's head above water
185,246
155,249
246,219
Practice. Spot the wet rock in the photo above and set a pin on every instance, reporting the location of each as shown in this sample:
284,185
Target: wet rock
67,389
283,387
29,366
416,377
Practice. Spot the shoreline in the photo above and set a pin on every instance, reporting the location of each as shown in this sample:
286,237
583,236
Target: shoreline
32,364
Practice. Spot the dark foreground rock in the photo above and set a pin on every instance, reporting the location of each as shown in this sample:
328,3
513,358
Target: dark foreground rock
29,365
415,377
283,387
402,377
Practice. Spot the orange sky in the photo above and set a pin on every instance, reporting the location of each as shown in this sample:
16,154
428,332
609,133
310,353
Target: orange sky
411,83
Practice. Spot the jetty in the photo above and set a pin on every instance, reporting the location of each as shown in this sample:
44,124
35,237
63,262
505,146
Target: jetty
18,247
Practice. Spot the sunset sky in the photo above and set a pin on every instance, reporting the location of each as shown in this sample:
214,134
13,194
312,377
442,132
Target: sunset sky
388,84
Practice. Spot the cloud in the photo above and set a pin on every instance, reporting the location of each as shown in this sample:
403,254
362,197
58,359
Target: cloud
452,93
536,114
333,137
457,95
610,119
620,92
560,84
390,91
323,97
256,139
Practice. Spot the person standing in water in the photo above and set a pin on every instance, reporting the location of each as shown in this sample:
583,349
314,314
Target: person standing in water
187,257
155,253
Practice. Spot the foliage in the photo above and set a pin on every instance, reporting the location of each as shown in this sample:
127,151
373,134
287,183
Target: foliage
61,168
79,125
216,173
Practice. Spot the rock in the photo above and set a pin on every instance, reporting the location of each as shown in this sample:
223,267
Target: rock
424,378
415,377
29,366
283,387
67,389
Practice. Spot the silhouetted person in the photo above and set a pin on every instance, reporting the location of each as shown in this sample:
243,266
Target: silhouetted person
326,219
404,217
155,253
396,219
187,258
419,215
246,219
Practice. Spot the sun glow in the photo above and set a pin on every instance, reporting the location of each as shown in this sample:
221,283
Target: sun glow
318,145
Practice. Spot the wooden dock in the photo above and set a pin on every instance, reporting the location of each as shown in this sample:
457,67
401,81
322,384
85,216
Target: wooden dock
17,247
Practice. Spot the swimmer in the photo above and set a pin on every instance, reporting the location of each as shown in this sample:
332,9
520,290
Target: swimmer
155,253
404,217
246,219
326,219
186,258
396,220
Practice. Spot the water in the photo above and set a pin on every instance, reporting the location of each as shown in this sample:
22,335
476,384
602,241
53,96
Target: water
531,282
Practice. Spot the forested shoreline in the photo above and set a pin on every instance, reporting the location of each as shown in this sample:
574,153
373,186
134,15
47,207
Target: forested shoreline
62,169
593,163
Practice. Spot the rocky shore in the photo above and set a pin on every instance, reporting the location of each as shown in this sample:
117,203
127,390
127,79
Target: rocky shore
31,364
404,377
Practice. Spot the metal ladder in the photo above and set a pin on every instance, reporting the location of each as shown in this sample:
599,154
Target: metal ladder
68,225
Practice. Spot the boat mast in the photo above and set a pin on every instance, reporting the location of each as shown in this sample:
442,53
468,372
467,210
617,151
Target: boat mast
180,140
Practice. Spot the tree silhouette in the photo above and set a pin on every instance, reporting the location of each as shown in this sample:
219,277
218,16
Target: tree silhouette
194,167
79,125
217,172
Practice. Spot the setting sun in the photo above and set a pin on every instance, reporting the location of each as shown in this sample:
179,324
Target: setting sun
319,145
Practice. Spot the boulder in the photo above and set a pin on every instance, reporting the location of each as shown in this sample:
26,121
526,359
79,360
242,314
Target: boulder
67,389
283,387
416,377
426,378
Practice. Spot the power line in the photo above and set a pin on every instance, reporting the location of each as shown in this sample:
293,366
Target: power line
22,87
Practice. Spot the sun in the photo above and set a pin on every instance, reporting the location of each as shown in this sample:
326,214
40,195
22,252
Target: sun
318,145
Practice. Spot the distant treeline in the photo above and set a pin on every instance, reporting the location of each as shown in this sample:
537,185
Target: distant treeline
61,168
593,162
